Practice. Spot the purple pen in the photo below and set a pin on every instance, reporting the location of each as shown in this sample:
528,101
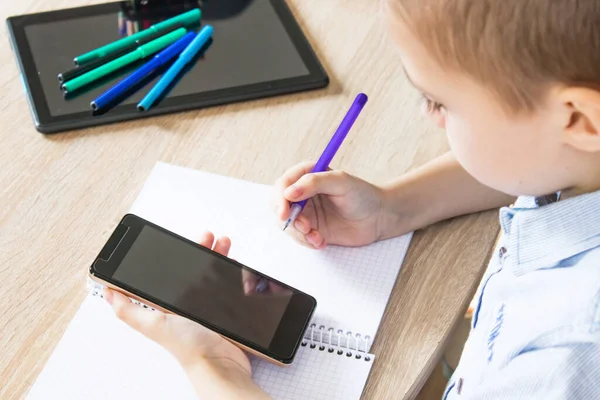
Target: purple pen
332,147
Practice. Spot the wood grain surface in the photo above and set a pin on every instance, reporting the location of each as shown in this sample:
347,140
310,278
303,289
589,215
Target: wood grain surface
60,194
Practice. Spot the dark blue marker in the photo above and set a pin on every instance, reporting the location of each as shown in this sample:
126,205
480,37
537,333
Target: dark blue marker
157,61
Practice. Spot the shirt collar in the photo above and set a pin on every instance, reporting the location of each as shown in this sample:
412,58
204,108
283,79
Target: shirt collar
540,237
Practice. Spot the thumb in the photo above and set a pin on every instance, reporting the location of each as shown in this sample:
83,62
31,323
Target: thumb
332,183
149,323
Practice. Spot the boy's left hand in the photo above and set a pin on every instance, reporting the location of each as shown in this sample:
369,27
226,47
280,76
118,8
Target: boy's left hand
193,345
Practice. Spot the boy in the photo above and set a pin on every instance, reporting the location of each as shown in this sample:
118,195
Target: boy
516,86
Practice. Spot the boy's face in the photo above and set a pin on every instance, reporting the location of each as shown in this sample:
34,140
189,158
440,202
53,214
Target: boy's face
521,155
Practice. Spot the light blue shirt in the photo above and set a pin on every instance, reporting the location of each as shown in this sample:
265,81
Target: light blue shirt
536,324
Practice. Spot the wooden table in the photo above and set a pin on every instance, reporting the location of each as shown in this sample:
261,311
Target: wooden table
59,194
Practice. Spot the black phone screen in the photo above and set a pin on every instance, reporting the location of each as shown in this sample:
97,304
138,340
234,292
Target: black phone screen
210,288
180,276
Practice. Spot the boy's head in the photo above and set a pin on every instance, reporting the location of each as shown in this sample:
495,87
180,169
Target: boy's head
515,83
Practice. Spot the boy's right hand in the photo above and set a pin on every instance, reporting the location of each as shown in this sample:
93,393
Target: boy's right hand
342,209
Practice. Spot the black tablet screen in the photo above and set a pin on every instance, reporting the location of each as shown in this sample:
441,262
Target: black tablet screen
250,45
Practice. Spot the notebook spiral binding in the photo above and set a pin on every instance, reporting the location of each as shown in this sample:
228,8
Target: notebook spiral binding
337,342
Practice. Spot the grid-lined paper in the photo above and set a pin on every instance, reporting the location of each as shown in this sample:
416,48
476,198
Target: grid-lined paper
316,375
352,285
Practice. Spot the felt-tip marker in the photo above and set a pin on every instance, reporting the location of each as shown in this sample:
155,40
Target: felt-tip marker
129,58
78,71
332,147
184,58
187,19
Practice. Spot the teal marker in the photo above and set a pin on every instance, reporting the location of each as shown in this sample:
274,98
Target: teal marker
184,58
139,53
187,19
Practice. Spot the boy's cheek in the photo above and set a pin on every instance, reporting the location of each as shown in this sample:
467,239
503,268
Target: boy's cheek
471,150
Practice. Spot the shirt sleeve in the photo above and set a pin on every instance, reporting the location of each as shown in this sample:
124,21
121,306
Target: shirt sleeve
571,371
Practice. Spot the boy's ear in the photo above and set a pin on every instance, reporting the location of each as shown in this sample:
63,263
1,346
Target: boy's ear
582,129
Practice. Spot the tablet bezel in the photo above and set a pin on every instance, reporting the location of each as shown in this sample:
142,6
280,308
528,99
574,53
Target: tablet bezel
46,123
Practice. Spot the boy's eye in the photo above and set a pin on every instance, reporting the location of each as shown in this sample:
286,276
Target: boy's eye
430,106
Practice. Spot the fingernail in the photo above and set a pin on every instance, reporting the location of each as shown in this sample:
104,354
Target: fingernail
298,225
108,296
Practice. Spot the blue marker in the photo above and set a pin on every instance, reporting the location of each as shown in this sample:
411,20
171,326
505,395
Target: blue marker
184,58
157,61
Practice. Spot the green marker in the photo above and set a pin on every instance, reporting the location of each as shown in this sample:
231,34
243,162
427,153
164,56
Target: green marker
188,18
139,53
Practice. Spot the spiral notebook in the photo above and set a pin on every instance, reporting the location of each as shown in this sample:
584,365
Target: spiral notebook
352,287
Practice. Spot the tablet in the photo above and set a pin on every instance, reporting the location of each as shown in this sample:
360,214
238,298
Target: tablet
257,50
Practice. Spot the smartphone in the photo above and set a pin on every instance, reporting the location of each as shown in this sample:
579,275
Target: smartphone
167,272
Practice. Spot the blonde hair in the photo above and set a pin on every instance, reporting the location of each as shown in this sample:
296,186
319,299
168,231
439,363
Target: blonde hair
515,48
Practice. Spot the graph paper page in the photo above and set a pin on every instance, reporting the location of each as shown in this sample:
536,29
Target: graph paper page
315,374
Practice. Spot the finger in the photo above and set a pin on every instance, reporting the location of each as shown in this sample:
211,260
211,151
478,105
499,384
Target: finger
315,239
149,323
333,183
223,245
302,224
207,239
290,176
298,236
294,173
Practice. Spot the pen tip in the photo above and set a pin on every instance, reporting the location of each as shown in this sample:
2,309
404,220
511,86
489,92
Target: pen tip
287,223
